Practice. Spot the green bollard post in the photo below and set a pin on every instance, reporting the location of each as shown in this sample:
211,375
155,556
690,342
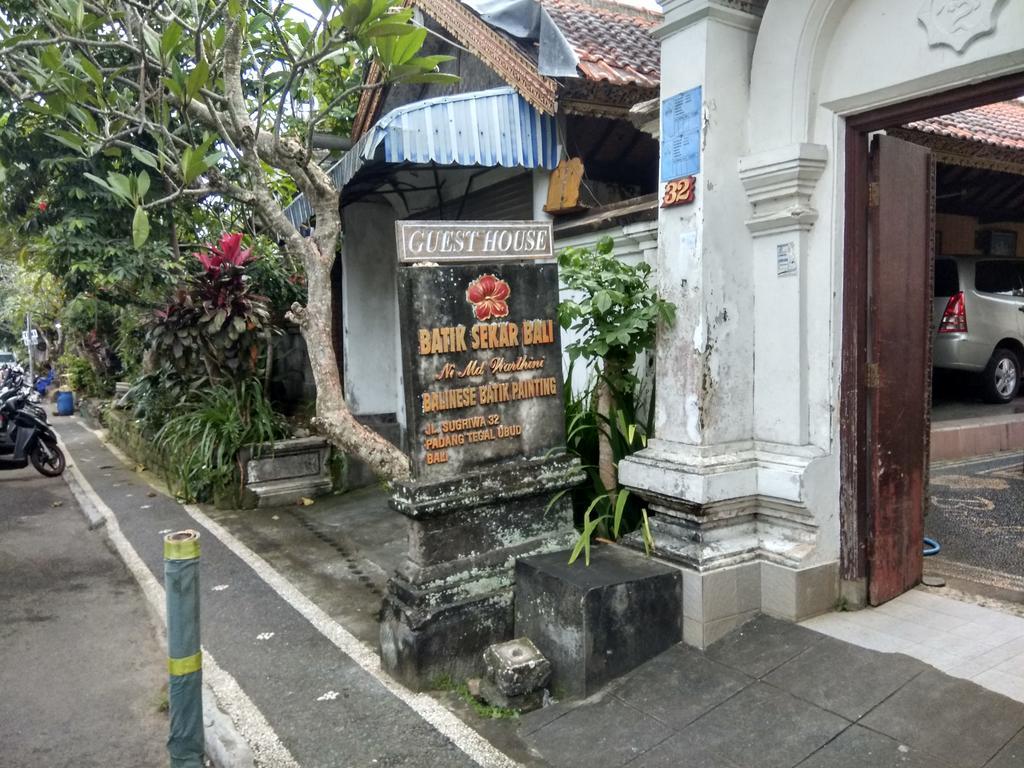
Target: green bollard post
184,656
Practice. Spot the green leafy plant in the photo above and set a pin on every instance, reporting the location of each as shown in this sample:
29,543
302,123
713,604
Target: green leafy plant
217,318
162,392
202,441
615,313
599,513
81,376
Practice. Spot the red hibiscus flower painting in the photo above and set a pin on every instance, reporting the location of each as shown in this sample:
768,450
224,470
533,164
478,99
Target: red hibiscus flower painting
489,296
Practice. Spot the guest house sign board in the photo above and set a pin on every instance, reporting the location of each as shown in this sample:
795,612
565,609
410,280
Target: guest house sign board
481,356
470,241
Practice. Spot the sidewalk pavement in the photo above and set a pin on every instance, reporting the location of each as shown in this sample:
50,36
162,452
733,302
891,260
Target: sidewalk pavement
302,699
81,671
290,615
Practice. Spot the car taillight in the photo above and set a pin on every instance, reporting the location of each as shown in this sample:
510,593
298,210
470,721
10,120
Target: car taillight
954,317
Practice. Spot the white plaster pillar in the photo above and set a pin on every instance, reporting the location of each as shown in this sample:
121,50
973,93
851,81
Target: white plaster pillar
704,404
779,184
725,471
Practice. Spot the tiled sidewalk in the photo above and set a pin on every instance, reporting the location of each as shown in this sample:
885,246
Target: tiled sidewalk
964,640
777,695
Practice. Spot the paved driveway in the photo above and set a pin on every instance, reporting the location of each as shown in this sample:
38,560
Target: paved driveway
977,512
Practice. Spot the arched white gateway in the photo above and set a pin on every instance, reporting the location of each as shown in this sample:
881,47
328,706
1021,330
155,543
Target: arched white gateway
745,471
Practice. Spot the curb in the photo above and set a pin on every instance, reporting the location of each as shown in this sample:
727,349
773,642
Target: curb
93,516
224,746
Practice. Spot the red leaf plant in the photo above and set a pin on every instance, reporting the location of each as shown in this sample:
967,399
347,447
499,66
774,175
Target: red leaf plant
489,296
228,251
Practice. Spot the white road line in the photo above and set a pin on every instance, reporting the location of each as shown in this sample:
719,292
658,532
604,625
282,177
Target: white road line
432,711
250,722
440,717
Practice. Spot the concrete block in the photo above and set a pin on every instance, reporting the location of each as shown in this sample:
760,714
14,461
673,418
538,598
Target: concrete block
281,473
516,667
598,622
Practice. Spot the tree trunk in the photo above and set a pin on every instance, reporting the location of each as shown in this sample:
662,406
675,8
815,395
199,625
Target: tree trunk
333,417
606,468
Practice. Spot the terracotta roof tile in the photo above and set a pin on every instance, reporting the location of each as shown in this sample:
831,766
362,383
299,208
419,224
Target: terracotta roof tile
1000,124
613,41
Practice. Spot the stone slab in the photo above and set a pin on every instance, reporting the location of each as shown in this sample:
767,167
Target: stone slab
592,737
1010,756
762,645
598,622
451,595
857,747
516,667
426,649
680,685
760,726
950,717
844,678
280,473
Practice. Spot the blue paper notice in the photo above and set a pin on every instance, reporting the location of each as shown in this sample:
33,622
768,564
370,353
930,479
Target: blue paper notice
680,135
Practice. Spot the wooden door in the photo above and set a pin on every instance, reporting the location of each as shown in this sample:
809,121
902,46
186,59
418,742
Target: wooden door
898,373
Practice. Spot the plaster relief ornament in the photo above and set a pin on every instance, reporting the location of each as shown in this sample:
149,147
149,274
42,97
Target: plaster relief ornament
489,296
958,22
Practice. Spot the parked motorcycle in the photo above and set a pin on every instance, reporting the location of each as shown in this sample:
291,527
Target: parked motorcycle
25,437
32,441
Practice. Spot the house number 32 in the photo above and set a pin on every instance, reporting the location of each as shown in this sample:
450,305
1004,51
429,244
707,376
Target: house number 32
679,191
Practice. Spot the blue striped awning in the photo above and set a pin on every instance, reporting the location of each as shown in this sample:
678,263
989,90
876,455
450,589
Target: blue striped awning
486,128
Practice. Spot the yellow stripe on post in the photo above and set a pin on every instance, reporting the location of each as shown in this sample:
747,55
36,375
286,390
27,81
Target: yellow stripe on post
183,545
185,666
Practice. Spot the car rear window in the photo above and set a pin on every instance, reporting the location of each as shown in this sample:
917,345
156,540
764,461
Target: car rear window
946,280
1004,277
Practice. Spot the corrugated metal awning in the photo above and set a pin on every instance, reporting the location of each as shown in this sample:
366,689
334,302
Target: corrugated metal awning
486,128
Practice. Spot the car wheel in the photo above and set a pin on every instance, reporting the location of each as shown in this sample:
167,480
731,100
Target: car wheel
1002,375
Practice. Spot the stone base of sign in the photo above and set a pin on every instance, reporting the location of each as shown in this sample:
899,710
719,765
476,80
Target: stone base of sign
597,622
452,595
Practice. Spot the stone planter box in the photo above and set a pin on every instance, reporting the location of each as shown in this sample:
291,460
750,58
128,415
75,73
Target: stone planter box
281,473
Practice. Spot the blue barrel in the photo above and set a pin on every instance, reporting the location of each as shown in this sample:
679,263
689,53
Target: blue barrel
65,403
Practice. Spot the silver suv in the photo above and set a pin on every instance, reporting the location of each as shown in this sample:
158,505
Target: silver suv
978,313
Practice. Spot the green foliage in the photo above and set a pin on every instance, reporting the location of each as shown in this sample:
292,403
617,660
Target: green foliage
217,318
599,512
277,276
130,335
202,440
73,67
160,393
485,711
86,313
612,307
616,313
81,376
